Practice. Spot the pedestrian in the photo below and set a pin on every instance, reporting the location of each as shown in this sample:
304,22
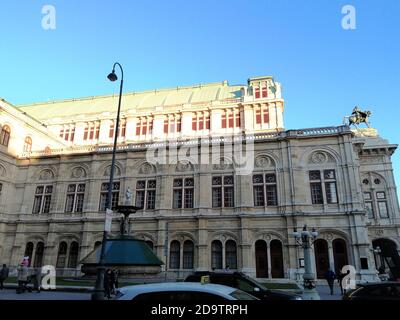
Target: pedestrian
340,278
107,282
227,269
330,277
3,275
22,278
37,279
114,281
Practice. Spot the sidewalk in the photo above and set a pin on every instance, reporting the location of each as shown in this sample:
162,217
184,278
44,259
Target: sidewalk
78,289
325,294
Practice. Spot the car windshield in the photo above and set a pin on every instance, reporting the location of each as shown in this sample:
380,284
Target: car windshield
241,295
262,287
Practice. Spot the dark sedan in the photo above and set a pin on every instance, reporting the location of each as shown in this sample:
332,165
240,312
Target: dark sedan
375,291
241,281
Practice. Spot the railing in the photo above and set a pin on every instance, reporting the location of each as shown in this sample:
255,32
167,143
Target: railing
191,141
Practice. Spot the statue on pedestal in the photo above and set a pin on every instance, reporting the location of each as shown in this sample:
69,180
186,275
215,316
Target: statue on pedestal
357,117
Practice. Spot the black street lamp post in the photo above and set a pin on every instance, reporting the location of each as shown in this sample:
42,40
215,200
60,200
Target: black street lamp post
305,240
98,293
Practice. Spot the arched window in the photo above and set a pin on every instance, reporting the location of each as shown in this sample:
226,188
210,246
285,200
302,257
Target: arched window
39,255
5,135
339,254
230,254
188,254
150,244
62,255
73,255
29,252
216,254
174,255
276,259
28,144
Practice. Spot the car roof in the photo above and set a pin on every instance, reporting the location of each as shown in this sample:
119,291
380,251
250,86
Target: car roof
178,286
382,283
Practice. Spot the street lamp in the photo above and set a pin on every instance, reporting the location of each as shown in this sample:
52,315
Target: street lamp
305,239
98,293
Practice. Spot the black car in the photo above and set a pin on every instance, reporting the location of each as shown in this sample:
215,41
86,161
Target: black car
241,281
375,291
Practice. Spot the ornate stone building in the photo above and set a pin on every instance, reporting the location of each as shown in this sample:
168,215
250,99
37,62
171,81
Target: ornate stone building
201,210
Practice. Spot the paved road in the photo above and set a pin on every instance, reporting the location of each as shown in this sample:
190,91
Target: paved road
325,293
9,294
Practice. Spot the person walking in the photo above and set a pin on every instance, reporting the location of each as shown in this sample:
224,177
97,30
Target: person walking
107,284
114,281
22,278
340,278
3,276
37,279
330,277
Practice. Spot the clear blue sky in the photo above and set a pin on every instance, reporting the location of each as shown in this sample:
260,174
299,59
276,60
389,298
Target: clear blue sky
325,70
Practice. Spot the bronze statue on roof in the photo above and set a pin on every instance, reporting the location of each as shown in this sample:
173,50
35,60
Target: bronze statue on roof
357,117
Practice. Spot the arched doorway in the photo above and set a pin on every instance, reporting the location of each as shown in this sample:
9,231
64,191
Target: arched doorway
39,254
339,254
321,257
387,257
216,254
276,259
29,252
261,259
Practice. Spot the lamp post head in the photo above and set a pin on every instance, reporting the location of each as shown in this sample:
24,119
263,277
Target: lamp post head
296,234
314,233
112,76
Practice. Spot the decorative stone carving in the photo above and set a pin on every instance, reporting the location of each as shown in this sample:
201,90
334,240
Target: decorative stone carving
46,174
320,157
267,237
146,168
222,165
78,172
117,171
263,162
183,166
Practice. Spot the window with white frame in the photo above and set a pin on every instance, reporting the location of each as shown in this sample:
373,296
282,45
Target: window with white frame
104,195
183,193
265,190
375,197
321,180
42,200
75,197
223,192
146,194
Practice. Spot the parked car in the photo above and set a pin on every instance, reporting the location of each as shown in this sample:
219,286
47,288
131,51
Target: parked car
181,291
375,291
243,282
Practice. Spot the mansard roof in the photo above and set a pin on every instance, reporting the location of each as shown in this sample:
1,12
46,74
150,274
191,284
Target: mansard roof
178,96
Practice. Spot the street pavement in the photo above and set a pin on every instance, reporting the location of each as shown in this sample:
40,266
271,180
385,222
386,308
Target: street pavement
10,294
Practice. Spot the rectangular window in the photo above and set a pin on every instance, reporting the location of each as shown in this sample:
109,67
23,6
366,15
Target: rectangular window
208,122
75,198
114,196
111,134
138,128
258,116
223,121
266,116
331,194
316,193
257,92
194,123
230,123
42,199
370,210
258,190
146,194
183,193
383,211
165,126
237,120
264,92
86,132
223,191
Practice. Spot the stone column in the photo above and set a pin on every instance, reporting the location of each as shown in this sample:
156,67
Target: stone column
130,129
186,123
269,260
215,117
203,263
104,137
331,256
158,127
79,132
248,118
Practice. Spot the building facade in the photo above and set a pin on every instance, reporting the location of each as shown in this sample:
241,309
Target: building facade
222,184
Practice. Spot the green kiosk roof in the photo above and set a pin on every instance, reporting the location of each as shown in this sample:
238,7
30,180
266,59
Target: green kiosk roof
125,251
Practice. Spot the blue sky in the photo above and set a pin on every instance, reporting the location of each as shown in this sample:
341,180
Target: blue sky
325,70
